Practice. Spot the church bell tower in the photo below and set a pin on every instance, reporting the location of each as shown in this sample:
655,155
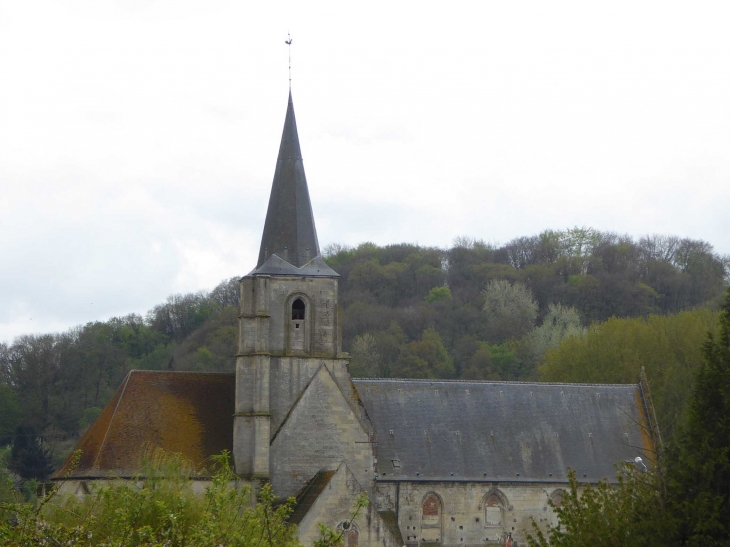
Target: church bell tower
289,322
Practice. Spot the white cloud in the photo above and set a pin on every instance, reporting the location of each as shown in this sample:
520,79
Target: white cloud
138,139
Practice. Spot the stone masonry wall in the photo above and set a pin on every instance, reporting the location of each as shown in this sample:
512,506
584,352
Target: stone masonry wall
334,506
321,431
463,515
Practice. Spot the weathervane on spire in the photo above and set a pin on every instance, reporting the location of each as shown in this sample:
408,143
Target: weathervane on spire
288,43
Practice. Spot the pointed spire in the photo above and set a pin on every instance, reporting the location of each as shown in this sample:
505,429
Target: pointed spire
289,231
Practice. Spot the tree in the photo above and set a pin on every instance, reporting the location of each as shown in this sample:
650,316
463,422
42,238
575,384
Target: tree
684,498
366,360
479,366
31,365
669,348
699,474
30,458
511,310
438,294
431,350
9,414
227,293
560,322
630,513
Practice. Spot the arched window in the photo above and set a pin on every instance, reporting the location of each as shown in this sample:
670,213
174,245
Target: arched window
557,498
297,310
494,510
431,518
350,535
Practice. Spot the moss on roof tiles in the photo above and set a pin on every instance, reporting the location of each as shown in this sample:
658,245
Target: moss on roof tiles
189,413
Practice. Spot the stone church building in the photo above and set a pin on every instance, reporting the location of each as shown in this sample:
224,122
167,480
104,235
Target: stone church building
444,462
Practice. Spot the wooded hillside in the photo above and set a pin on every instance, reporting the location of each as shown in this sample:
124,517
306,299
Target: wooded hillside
473,311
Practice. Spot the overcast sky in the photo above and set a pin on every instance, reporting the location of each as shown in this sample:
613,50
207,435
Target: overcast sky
138,139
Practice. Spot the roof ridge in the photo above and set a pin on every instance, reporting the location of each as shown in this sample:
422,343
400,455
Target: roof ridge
111,420
498,382
180,372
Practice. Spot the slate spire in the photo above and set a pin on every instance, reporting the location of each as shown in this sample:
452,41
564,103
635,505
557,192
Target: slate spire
289,231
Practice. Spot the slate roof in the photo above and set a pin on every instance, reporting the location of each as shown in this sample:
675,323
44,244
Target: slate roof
506,431
289,243
309,495
190,413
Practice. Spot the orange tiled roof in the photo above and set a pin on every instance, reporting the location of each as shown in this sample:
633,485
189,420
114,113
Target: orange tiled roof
190,413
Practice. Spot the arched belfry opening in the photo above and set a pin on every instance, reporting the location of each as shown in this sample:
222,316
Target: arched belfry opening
297,310
298,329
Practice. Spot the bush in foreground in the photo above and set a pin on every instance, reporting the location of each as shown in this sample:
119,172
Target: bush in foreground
157,509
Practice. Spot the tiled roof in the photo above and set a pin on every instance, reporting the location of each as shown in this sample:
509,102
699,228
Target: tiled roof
190,413
507,431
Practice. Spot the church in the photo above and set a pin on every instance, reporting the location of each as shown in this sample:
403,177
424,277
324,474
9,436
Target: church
444,462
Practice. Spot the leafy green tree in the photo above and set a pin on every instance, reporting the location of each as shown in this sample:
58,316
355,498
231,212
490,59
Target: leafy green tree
699,470
506,360
431,350
669,348
511,310
627,514
438,294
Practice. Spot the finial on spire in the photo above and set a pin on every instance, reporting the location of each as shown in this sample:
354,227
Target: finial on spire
288,43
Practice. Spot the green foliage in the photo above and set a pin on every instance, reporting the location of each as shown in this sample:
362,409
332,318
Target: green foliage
699,458
391,295
684,499
157,509
438,294
425,358
629,513
669,348
7,484
493,362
